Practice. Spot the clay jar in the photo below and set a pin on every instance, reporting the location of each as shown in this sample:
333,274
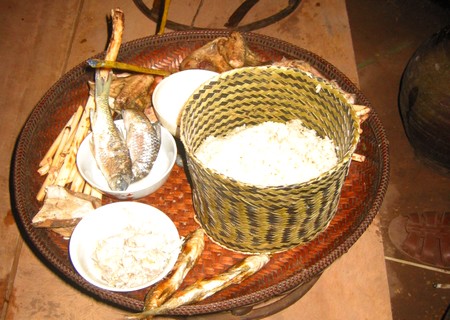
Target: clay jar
424,100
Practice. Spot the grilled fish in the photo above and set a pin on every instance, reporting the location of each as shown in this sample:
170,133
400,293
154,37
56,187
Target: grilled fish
109,147
129,91
143,141
135,92
205,288
192,249
222,54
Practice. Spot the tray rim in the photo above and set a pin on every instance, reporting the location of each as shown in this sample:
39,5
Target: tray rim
298,279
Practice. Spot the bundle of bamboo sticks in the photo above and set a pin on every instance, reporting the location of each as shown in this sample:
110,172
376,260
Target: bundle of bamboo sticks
59,163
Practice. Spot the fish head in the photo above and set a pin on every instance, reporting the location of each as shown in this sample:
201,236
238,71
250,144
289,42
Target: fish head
119,183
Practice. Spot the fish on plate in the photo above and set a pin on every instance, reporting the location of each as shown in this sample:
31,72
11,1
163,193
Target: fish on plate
123,158
143,140
108,146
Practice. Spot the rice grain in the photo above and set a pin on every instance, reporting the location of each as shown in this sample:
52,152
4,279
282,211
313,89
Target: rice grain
269,154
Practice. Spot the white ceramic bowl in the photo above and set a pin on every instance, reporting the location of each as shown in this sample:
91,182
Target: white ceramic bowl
173,91
109,222
156,178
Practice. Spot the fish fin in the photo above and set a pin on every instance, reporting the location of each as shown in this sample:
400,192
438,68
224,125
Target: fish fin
91,85
122,132
91,146
92,117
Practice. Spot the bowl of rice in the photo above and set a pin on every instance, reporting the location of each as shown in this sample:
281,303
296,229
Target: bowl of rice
124,246
267,150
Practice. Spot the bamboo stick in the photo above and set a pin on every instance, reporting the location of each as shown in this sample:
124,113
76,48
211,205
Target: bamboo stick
118,22
46,161
358,157
58,158
78,183
72,174
87,188
96,193
70,159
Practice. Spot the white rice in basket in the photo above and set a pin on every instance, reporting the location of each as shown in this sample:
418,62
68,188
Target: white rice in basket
269,154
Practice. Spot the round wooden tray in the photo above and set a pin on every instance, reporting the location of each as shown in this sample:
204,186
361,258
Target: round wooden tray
362,193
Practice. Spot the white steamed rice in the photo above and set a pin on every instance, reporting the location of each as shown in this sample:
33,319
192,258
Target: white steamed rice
269,154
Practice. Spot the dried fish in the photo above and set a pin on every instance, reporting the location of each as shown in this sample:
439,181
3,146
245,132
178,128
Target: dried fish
129,91
193,247
143,140
110,150
135,92
205,288
222,54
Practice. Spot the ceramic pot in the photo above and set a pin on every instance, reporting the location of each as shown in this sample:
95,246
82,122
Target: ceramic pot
424,99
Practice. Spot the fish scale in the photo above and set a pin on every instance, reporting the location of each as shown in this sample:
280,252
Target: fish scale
143,141
109,148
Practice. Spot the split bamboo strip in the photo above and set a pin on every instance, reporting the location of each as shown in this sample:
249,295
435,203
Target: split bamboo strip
360,110
78,183
72,174
358,157
58,158
46,161
96,193
87,188
70,159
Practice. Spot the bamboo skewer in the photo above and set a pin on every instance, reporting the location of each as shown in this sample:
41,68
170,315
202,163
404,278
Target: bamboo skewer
68,155
94,63
72,174
118,22
63,169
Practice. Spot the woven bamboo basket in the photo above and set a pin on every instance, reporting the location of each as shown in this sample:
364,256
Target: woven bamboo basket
256,219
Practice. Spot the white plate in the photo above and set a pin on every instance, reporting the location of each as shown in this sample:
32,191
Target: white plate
110,220
153,181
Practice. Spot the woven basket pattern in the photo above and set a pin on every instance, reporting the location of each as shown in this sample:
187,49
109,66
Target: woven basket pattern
256,219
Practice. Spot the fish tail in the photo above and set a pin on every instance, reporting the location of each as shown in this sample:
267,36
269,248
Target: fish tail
147,314
102,87
102,84
92,117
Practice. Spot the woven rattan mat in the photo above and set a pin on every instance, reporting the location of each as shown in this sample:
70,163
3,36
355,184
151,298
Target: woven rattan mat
361,197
